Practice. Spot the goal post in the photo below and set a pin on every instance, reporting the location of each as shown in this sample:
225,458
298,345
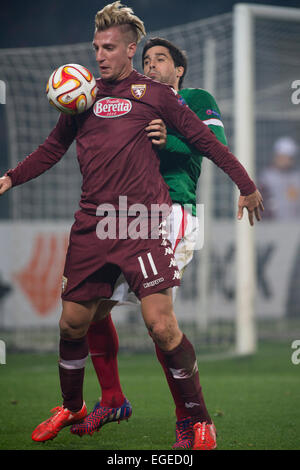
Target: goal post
244,146
244,139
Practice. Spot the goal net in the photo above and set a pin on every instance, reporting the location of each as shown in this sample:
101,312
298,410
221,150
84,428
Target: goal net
207,304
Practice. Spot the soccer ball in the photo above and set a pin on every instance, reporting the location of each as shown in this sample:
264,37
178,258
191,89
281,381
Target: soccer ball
71,89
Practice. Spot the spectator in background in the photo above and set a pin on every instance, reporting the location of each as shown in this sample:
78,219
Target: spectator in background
280,183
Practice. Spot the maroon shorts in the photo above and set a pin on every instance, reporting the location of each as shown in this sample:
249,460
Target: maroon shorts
93,265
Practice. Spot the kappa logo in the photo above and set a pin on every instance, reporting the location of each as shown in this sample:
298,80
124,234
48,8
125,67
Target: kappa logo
138,91
176,274
153,283
112,107
191,404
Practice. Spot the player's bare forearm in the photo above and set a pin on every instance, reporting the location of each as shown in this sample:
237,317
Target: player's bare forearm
5,184
254,205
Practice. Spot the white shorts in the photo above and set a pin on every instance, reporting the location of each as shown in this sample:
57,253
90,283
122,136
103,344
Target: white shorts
183,232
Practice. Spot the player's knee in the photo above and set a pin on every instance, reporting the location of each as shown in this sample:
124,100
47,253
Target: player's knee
165,334
75,318
71,329
161,321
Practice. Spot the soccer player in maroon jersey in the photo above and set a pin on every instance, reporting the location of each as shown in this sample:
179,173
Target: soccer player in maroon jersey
117,159
180,167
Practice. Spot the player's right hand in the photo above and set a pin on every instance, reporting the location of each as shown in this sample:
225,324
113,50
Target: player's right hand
5,184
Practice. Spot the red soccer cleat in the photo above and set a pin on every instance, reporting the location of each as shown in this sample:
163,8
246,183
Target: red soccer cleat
205,436
196,435
61,417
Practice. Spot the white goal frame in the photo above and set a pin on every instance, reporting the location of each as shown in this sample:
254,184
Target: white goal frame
244,147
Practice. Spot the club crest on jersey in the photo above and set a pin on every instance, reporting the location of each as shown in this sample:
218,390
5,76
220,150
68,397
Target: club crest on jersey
112,107
138,91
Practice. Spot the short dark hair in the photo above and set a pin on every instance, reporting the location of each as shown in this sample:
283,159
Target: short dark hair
178,56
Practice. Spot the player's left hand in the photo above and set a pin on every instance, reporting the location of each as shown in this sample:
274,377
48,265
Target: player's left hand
253,203
157,132
5,184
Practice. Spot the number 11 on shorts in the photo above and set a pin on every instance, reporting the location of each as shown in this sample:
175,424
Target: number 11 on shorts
152,264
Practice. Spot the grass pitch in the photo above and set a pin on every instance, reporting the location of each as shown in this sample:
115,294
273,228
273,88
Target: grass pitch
254,402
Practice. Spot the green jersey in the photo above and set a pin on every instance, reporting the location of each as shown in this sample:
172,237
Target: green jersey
180,163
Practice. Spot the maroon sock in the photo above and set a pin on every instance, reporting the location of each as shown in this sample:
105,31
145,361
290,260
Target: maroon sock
180,409
72,357
181,370
104,345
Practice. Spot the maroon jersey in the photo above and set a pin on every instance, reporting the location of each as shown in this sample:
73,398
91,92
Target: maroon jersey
115,154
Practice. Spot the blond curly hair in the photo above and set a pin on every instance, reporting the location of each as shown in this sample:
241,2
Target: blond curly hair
116,14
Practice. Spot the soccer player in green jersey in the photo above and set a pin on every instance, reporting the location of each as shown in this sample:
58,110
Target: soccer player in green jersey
180,162
164,62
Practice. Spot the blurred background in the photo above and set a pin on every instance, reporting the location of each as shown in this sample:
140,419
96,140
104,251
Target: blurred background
35,219
68,22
